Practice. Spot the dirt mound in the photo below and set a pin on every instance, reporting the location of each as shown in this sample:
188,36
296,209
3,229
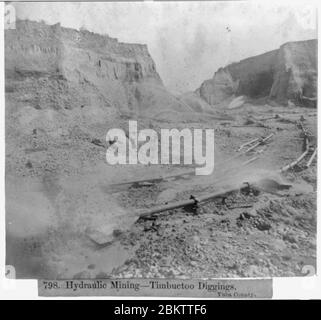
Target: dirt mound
289,73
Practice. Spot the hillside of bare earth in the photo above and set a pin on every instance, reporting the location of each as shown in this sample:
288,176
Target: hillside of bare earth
289,73
69,214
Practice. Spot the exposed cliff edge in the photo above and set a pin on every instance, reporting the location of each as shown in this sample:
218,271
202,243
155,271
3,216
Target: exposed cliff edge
62,68
289,73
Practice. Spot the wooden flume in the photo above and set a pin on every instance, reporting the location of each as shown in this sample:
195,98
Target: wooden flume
307,149
312,158
295,162
257,141
190,202
194,201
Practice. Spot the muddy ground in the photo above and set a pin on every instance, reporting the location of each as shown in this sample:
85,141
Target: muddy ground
255,232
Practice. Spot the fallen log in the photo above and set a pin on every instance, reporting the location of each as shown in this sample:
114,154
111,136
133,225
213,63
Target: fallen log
179,204
241,206
295,162
304,130
309,98
259,143
115,187
250,126
247,143
312,158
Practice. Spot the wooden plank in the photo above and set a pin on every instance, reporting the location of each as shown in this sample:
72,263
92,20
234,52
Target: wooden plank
312,157
295,162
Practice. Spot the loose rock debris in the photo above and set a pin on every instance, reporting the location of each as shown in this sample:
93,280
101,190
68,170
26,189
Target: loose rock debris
267,228
60,195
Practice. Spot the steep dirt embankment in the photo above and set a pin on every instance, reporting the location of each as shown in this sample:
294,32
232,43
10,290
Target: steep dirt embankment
66,69
289,73
64,89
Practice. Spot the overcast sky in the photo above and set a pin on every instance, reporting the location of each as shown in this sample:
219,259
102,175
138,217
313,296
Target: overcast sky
189,41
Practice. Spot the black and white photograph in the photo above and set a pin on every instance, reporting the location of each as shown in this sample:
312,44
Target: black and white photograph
160,140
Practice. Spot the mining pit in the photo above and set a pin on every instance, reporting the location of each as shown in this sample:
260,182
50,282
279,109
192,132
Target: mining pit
71,215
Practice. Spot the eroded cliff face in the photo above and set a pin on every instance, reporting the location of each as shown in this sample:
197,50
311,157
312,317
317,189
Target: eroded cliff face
289,73
61,68
65,89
